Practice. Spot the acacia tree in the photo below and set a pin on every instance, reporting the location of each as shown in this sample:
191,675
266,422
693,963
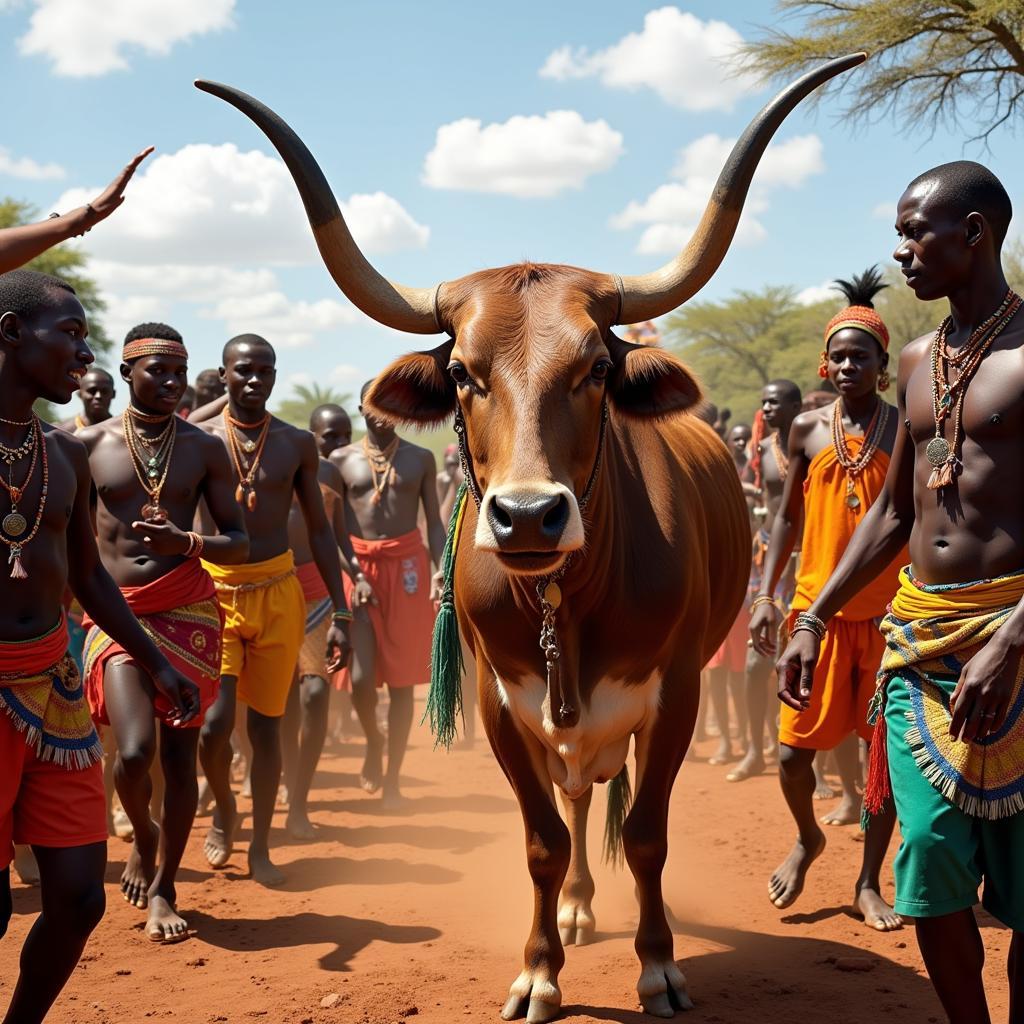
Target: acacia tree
930,61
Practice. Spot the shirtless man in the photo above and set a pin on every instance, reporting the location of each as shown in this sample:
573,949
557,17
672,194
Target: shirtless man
262,601
305,720
780,405
838,458
146,545
955,681
449,480
738,441
51,784
208,387
388,480
96,394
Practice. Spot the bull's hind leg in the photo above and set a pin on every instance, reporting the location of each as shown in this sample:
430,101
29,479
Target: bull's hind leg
575,912
660,748
535,993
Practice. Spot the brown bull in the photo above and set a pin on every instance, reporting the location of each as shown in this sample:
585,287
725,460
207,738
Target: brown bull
588,476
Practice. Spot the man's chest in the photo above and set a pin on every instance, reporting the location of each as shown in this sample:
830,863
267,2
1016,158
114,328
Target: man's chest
401,475
119,476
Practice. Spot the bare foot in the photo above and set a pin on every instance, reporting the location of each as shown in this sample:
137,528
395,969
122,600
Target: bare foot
391,799
823,791
282,795
787,881
25,866
220,840
750,766
877,914
123,828
372,775
847,813
724,754
299,826
262,870
246,791
164,923
140,869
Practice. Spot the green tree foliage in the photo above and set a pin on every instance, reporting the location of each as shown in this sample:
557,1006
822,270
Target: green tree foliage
299,405
931,62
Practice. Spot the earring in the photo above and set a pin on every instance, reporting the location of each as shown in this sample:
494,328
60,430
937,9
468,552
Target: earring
883,381
823,365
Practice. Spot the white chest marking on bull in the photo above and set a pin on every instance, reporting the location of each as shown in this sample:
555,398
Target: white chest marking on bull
595,749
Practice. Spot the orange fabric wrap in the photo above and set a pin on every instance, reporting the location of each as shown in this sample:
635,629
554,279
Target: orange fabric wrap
829,524
313,586
26,657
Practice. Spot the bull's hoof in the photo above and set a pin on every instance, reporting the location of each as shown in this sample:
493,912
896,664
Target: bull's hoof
534,998
662,989
576,925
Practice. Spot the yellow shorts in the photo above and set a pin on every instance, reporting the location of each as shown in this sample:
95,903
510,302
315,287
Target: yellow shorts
844,683
264,625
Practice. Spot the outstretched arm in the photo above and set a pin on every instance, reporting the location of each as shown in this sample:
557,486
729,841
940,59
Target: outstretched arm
101,598
21,244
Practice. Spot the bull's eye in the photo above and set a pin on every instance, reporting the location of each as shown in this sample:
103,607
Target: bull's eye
459,373
601,369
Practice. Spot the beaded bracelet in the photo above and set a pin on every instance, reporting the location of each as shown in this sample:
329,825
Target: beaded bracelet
810,622
760,600
343,616
195,545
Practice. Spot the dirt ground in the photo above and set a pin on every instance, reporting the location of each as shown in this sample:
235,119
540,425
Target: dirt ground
424,914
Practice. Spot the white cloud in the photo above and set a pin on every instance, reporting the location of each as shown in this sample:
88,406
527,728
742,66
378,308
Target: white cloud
672,211
347,374
826,291
26,167
88,39
526,156
209,204
689,63
285,322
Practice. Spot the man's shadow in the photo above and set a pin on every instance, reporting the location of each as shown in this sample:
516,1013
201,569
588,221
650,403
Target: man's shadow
350,935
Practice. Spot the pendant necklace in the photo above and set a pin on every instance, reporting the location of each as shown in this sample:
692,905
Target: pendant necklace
382,466
151,458
948,395
14,523
240,446
855,465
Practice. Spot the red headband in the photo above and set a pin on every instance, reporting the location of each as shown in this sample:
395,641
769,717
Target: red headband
864,318
153,347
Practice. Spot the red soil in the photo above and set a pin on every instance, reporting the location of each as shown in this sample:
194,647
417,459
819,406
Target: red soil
424,914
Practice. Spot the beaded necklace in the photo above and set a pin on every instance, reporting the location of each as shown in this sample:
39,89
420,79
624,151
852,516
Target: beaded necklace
151,469
382,468
238,444
14,524
948,396
855,465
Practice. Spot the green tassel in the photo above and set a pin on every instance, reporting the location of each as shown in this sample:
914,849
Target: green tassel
620,799
444,699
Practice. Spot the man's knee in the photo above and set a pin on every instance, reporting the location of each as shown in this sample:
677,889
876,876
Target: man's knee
794,761
79,906
314,693
134,759
264,731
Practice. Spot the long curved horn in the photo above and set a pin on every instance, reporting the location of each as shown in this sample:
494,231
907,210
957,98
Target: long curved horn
395,305
649,295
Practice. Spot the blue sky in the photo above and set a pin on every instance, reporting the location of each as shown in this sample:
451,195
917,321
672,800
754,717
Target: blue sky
460,135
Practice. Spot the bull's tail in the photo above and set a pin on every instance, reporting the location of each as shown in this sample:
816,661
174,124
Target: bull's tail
620,799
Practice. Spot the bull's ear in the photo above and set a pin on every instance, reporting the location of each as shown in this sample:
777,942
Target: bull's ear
649,382
415,389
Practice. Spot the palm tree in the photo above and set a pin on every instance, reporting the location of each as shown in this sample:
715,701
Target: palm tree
297,408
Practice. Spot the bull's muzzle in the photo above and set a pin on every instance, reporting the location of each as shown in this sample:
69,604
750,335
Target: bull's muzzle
525,522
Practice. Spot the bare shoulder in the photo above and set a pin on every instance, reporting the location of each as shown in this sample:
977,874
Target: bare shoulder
914,351
807,421
425,455
330,475
70,446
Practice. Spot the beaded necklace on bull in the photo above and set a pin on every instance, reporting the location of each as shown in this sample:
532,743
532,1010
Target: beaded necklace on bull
948,395
549,593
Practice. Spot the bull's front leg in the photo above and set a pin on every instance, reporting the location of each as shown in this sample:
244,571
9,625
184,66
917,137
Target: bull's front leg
575,910
660,749
535,993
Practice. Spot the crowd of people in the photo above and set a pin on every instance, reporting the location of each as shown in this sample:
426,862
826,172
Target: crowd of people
190,582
